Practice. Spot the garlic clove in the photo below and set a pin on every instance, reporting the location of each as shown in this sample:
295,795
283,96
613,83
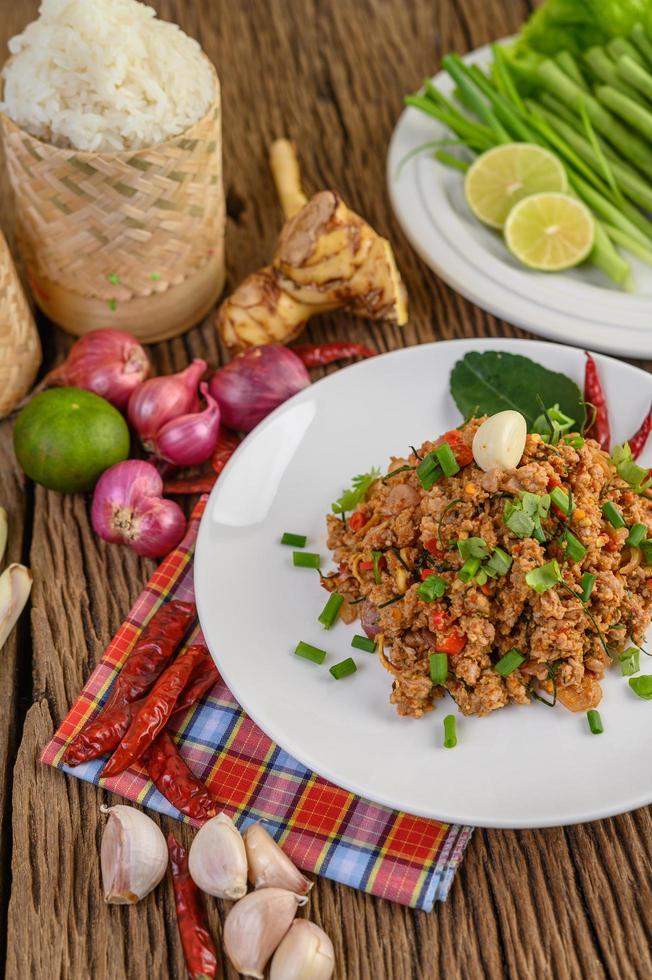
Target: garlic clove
500,441
133,855
217,860
15,587
305,953
269,865
4,531
255,926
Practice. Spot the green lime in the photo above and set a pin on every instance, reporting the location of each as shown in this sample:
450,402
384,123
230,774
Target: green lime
550,232
503,176
65,438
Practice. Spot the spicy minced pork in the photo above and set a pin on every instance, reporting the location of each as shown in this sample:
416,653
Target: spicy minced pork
400,534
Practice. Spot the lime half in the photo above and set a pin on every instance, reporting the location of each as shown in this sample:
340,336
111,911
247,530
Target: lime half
550,232
503,176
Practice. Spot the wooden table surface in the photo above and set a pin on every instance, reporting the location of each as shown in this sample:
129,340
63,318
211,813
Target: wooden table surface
570,902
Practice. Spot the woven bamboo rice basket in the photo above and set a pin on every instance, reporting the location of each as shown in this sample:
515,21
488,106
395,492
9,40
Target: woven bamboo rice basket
133,240
20,348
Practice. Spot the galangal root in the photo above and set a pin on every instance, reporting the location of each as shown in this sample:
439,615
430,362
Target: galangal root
327,258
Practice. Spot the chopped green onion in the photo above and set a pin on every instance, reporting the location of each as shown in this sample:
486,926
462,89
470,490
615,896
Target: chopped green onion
447,460
309,652
630,661
432,588
473,548
575,550
642,686
561,500
636,476
429,471
331,610
500,562
295,540
646,552
595,722
552,424
509,663
438,668
587,582
545,577
637,534
376,555
363,643
574,441
305,559
450,738
343,669
613,515
469,569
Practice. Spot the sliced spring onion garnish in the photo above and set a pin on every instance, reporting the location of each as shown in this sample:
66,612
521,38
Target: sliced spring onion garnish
450,738
294,540
595,722
429,471
509,663
447,461
545,577
636,476
363,643
331,610
630,661
306,559
376,555
469,570
399,469
432,588
575,550
587,582
637,534
309,652
562,501
642,686
473,548
343,669
646,552
574,441
438,667
612,514
499,563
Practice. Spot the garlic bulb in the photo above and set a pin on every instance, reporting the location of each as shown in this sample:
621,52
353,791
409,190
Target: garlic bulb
255,926
133,855
305,953
269,866
15,587
500,441
217,860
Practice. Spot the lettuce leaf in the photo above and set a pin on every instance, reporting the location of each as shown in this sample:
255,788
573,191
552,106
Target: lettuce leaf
575,25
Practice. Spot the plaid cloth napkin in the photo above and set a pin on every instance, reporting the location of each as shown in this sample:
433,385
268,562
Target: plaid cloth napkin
323,829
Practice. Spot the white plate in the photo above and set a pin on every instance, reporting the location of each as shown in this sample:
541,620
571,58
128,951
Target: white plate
520,767
579,306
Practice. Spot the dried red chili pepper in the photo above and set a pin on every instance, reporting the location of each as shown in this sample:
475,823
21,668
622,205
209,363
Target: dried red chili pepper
638,440
176,781
317,355
204,677
599,429
154,711
227,444
196,484
198,947
150,654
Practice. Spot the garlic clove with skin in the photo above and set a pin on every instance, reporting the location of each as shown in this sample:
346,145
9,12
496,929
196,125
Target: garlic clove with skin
269,865
217,861
15,587
500,441
255,926
133,855
305,953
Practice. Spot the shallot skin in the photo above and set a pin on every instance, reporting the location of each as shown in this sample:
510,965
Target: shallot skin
110,363
256,382
159,400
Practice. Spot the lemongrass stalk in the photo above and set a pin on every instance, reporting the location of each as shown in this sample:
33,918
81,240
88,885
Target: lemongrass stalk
554,105
466,129
642,43
628,109
567,63
618,46
515,122
603,163
638,78
450,161
430,145
608,211
504,71
460,75
605,70
605,258
631,244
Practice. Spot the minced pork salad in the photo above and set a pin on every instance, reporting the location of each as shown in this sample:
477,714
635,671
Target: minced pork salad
522,578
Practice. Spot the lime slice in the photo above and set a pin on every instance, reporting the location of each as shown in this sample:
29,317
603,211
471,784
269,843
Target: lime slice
550,231
503,176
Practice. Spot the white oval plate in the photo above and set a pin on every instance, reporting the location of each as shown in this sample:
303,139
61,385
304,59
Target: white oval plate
520,767
579,306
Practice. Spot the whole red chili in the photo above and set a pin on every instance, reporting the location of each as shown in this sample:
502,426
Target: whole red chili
176,781
154,711
193,484
594,395
156,644
204,677
227,444
638,440
198,947
316,355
